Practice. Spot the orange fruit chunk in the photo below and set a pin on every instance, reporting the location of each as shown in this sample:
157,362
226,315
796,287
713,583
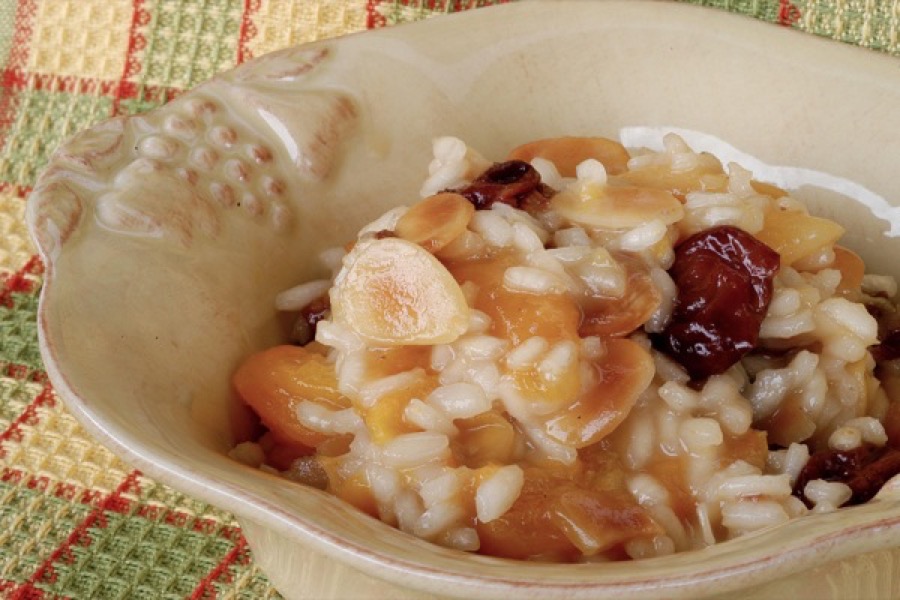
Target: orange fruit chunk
595,522
794,235
624,372
275,381
527,530
484,439
385,419
616,317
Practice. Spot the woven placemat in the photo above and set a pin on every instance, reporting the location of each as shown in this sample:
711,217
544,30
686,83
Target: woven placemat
75,521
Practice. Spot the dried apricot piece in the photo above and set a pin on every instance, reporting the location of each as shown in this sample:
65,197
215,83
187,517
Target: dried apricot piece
484,439
624,372
526,530
517,316
275,381
384,419
597,522
794,234
616,317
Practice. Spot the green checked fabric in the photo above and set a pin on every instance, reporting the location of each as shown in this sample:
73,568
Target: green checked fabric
75,521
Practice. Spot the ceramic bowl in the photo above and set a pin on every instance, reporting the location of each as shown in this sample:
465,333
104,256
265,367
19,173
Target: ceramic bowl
167,235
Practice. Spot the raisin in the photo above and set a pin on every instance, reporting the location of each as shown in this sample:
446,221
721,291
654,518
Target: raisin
305,326
888,348
513,182
865,469
724,279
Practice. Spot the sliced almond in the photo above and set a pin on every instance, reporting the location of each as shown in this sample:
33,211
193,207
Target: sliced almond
393,292
566,153
435,221
616,206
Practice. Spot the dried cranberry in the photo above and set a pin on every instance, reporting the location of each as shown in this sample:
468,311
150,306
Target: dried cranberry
865,469
513,182
724,278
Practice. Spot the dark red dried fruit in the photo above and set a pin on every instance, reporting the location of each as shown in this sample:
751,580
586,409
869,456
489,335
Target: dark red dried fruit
305,326
724,278
513,182
865,469
888,348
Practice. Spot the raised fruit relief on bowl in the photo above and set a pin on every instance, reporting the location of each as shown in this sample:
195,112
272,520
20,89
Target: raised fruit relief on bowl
583,354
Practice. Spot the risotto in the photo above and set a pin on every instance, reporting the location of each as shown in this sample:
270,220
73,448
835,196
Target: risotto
583,353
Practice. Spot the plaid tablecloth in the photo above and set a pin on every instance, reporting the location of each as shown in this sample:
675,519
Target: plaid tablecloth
75,521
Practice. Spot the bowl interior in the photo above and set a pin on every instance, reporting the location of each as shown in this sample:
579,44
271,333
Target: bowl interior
159,282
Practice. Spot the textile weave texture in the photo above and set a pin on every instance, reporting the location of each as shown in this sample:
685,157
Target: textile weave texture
75,521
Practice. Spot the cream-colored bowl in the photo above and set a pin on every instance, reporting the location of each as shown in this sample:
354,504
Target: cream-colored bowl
167,235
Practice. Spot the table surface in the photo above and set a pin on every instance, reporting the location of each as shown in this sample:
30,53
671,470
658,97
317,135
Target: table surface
75,521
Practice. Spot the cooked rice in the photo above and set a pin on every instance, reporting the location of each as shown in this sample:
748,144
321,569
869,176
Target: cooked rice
811,387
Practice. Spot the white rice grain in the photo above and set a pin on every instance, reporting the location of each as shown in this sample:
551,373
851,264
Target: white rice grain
533,280
754,485
871,429
548,172
879,285
745,515
497,493
527,353
525,239
372,391
441,488
464,539
481,347
428,418
669,292
460,400
700,433
479,322
591,170
845,438
643,237
827,494
558,360
679,397
571,237
437,519
413,449
495,230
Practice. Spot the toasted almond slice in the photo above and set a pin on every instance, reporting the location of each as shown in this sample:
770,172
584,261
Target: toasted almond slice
393,292
615,206
852,269
566,153
435,221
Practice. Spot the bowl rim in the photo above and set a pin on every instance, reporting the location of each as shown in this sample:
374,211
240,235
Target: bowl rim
806,551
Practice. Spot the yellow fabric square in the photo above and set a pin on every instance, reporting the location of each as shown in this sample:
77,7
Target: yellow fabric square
15,244
82,38
284,23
